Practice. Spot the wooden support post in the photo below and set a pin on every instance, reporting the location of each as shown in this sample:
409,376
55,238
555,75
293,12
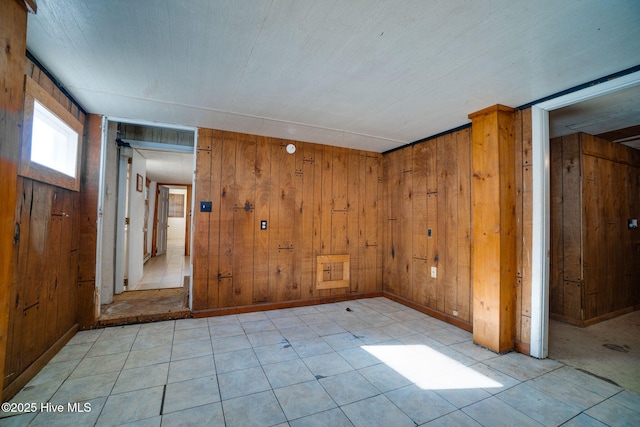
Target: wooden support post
13,33
494,228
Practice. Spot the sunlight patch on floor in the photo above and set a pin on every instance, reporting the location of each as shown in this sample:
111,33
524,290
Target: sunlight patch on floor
430,369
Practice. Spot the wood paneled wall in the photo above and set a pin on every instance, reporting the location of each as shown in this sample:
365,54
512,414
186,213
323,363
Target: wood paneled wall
595,188
44,266
321,200
13,33
523,215
428,187
155,134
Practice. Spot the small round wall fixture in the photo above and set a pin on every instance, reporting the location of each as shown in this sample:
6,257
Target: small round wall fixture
291,148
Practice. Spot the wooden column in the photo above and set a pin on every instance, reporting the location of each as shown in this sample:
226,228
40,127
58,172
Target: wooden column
13,34
87,223
494,228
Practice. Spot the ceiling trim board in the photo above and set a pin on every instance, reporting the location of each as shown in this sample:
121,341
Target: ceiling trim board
601,80
55,81
158,146
152,123
428,138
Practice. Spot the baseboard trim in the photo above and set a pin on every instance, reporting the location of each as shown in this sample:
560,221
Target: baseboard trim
27,375
522,347
284,304
467,326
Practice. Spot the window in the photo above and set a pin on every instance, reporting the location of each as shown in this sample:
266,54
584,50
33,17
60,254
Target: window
51,144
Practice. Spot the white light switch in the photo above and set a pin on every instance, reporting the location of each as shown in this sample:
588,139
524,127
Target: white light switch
434,272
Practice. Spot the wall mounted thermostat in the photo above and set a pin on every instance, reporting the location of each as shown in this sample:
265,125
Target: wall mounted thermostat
205,206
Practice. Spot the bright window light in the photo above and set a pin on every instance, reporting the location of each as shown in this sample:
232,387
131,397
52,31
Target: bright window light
53,143
429,369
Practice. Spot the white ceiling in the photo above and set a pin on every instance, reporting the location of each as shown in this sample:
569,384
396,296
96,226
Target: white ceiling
362,74
168,167
614,111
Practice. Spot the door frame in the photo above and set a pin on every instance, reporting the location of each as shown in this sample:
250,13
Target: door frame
101,195
187,231
541,228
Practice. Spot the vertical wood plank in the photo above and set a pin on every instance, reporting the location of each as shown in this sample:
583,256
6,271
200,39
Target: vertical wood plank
325,206
261,266
309,182
244,220
450,175
298,222
405,226
200,280
371,213
355,163
441,258
286,207
430,293
226,230
464,302
571,208
213,290
419,202
318,217
556,279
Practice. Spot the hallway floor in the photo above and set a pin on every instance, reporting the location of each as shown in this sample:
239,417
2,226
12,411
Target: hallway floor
377,364
166,270
609,349
161,294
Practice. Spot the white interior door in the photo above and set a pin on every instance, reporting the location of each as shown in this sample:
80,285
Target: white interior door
163,219
120,273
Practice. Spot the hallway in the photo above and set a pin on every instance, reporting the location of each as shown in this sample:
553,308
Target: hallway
167,270
161,294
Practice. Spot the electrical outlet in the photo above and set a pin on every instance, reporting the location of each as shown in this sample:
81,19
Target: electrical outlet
434,272
263,224
455,313
429,233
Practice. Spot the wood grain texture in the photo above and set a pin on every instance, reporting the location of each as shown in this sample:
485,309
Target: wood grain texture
594,273
13,33
523,217
494,228
436,197
319,200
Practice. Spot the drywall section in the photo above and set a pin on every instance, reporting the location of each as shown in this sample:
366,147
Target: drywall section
177,224
595,192
321,200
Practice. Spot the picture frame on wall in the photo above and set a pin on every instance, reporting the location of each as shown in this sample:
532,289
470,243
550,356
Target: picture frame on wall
139,183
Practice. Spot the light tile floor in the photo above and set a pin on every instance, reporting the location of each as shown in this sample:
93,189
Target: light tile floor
167,270
380,364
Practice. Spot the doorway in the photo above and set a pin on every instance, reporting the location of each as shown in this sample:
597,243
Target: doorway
601,349
145,257
168,265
